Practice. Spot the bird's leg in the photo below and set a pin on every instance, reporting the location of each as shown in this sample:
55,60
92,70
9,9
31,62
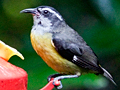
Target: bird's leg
53,76
63,77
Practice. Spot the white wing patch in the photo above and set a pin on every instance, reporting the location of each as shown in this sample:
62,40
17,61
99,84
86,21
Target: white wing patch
52,44
75,58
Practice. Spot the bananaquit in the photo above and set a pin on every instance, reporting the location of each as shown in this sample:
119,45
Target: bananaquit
62,48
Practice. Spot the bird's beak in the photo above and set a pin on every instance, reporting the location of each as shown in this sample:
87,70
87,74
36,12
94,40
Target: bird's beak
29,10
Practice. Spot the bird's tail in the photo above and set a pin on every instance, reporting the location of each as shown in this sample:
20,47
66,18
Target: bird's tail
108,76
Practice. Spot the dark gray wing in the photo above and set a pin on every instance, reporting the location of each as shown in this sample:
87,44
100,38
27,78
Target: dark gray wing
80,54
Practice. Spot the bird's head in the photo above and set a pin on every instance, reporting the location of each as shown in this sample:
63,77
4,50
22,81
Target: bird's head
45,16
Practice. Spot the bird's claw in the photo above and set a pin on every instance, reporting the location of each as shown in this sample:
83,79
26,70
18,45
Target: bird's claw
57,84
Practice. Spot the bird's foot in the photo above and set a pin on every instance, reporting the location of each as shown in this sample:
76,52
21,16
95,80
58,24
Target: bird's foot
59,77
56,82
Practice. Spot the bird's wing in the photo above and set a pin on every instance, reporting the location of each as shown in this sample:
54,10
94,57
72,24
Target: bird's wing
80,55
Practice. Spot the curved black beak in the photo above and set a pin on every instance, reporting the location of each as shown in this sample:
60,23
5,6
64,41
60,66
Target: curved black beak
29,10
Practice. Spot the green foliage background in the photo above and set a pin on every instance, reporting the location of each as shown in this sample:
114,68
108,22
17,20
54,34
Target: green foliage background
97,21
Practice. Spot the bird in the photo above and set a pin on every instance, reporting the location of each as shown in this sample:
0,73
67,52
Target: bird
61,47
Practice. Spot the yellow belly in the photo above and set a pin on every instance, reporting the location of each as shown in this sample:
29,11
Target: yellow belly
43,47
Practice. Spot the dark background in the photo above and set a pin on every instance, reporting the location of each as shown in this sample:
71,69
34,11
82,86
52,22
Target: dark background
97,21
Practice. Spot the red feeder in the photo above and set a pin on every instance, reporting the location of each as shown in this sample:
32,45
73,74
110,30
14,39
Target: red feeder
11,76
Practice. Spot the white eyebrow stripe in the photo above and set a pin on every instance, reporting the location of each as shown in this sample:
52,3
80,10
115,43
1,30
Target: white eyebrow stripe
59,16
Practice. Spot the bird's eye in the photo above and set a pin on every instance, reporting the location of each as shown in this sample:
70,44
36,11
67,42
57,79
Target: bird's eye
46,11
